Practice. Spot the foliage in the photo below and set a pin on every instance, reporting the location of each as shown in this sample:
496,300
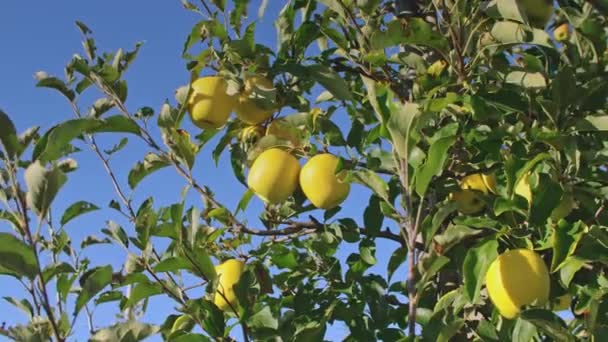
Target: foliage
506,98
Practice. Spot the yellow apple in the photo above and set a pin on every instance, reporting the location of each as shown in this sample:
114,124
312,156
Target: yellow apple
247,110
320,184
562,32
209,104
480,182
274,175
468,201
516,278
523,189
228,273
562,302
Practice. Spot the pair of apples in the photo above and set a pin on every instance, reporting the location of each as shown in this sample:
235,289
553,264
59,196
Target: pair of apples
275,175
210,103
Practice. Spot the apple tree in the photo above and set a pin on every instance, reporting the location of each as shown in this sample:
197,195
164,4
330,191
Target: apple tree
476,130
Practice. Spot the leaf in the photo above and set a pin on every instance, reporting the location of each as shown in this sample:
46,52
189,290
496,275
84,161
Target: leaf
569,268
399,126
367,250
263,319
172,264
117,124
140,292
152,162
371,180
92,283
417,32
201,263
42,186
54,269
523,331
372,216
454,234
549,323
58,137
244,201
565,238
23,304
331,80
77,209
431,225
8,135
46,81
509,9
129,331
509,32
122,143
593,123
475,265
433,166
17,257
528,80
545,197
397,258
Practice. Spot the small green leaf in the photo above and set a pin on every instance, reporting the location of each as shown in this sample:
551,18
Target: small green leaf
140,292
433,166
119,146
117,124
23,304
545,197
549,323
8,135
371,180
431,224
263,319
475,265
454,234
42,186
331,80
397,258
510,9
367,250
130,331
568,269
172,264
77,209
528,80
372,216
54,269
593,123
509,32
92,283
16,257
152,162
417,32
46,81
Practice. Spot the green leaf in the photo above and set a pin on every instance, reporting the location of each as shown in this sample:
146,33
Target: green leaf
433,166
568,269
509,32
593,123
454,234
17,257
172,264
121,144
152,162
397,258
58,137
117,124
431,224
8,135
42,186
130,331
416,32
24,305
549,323
77,209
400,125
545,197
91,284
372,216
528,80
509,9
47,81
371,180
475,265
214,322
331,80
367,250
263,319
565,238
523,331
140,292
244,201
221,4
54,269
201,263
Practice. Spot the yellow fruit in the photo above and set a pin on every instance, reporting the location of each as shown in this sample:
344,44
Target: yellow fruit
480,182
469,202
516,278
437,68
209,104
274,175
562,302
320,183
228,274
523,189
246,109
562,32
538,11
283,130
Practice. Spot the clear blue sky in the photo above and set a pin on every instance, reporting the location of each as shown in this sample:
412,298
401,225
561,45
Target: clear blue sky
42,36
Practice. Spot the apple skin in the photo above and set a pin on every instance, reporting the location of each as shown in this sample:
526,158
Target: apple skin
562,32
209,103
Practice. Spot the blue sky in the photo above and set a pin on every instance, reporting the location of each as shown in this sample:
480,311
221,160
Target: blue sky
42,36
